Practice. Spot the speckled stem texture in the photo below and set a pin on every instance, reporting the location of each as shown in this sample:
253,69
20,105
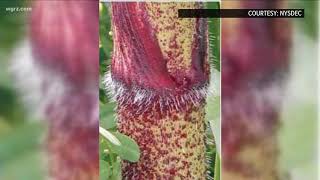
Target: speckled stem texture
255,61
65,37
159,75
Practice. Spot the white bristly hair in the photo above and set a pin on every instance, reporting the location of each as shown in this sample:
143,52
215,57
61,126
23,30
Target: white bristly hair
145,98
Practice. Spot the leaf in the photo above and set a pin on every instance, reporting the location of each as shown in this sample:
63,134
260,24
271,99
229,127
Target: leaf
116,172
108,160
217,168
109,136
129,150
105,170
107,119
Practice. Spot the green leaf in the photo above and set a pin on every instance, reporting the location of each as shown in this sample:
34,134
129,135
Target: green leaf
116,172
128,150
102,147
107,119
109,136
217,168
105,170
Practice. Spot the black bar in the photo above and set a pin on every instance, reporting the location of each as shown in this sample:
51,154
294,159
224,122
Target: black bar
241,13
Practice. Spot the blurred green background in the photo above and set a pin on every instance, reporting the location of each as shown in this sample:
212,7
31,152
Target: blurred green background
20,135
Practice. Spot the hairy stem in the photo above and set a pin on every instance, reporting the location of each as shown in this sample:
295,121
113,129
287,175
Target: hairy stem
159,76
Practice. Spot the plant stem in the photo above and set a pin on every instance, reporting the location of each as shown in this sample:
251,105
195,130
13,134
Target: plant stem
159,76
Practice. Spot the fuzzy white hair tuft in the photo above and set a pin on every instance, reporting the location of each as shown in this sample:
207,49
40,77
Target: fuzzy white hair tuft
144,98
